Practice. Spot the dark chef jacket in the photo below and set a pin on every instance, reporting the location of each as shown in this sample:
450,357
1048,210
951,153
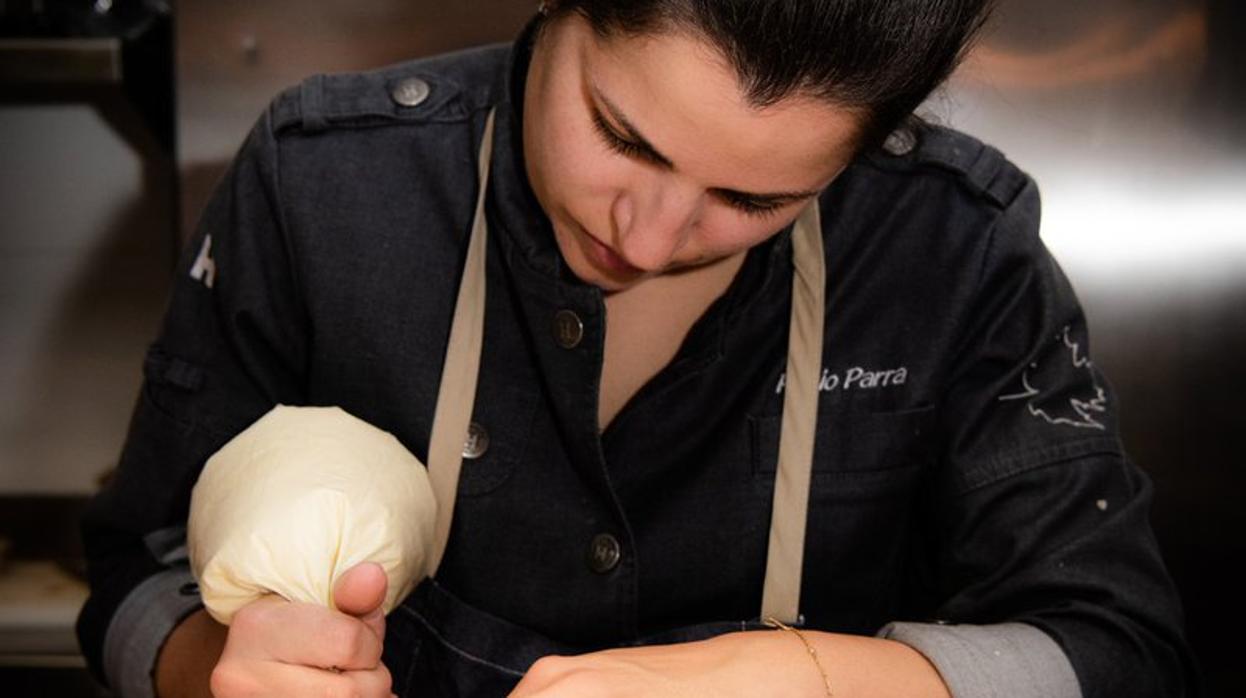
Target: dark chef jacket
967,467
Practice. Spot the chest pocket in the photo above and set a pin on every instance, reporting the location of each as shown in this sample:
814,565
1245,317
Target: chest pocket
857,453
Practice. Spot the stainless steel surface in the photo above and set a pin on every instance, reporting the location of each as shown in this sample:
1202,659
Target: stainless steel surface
233,56
1131,114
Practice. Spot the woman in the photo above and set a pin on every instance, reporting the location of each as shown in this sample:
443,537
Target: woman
971,526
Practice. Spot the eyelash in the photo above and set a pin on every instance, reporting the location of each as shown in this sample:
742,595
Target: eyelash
750,208
629,149
616,142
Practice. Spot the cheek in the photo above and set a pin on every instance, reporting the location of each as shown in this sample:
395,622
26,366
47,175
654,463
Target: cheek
725,231
580,176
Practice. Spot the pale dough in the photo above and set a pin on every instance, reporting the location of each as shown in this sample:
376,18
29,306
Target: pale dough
298,498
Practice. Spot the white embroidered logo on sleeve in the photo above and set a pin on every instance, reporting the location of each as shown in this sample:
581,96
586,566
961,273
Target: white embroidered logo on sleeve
204,268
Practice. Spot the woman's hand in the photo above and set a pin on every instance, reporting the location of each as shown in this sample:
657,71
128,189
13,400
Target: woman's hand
708,667
278,648
754,664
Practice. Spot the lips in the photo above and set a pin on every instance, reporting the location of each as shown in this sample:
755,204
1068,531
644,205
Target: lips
606,259
612,261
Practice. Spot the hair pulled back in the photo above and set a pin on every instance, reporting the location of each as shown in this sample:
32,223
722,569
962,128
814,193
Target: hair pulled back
883,57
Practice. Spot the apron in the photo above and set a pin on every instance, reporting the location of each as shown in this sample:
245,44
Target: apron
437,646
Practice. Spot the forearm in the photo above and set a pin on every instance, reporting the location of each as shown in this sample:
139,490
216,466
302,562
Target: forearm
185,664
757,664
854,665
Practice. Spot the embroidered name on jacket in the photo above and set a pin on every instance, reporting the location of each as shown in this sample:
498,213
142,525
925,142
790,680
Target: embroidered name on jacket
855,378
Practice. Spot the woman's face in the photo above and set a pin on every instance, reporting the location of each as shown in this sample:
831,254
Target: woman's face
647,158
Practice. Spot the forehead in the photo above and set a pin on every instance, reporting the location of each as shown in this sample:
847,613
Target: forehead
683,95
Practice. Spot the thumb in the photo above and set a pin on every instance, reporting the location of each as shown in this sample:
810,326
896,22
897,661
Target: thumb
360,591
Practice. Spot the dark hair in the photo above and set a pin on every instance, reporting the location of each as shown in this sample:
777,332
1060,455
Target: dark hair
882,56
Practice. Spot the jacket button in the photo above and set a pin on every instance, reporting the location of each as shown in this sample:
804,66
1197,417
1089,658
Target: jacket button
568,330
409,92
477,441
604,553
900,142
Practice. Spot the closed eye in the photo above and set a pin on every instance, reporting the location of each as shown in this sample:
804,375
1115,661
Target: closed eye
621,145
749,206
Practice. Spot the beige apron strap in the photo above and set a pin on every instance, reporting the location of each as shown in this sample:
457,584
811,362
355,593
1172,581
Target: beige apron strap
457,391
785,554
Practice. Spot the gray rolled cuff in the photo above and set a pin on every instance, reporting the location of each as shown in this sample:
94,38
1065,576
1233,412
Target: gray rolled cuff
1013,660
141,625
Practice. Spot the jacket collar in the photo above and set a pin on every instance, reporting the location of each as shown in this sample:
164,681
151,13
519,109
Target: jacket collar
520,217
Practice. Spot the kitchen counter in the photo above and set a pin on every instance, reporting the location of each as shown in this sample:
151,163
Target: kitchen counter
39,603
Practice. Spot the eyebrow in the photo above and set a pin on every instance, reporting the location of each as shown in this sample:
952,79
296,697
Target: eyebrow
639,140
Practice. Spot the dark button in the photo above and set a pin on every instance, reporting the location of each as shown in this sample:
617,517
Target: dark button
604,553
477,441
188,589
568,330
409,92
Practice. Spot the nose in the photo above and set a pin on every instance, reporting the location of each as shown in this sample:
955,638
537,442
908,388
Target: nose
653,223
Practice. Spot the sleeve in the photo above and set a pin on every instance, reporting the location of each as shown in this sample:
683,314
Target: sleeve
1043,570
232,344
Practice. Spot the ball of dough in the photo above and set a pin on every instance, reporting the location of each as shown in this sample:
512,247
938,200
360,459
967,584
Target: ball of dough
298,498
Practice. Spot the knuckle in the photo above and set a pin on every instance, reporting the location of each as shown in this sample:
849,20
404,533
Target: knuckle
250,618
226,681
547,668
243,622
373,683
349,640
385,680
370,647
341,689
381,682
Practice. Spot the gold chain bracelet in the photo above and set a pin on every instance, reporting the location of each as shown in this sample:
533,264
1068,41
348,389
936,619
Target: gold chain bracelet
813,653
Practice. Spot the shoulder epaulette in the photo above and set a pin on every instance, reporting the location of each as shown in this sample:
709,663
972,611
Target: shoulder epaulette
981,167
433,89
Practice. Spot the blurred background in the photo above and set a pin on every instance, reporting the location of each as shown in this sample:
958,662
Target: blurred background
117,117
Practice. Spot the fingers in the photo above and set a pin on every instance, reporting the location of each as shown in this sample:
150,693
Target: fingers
257,679
298,633
361,589
360,592
278,648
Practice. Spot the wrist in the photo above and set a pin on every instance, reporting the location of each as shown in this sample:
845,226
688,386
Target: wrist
854,665
769,664
185,662
809,648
